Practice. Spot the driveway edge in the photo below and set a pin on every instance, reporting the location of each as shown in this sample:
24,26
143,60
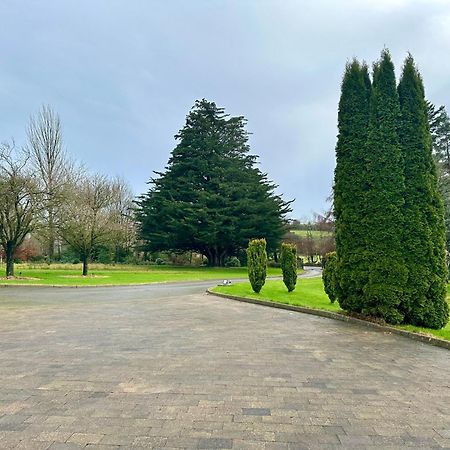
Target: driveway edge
343,318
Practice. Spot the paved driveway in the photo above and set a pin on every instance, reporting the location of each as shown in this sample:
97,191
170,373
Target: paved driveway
171,367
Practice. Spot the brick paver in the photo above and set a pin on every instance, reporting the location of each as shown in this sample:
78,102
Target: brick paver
171,367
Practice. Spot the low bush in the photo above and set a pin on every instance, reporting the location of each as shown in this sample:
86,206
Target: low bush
232,261
273,264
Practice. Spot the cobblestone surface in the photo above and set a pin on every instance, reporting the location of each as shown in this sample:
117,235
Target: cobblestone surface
171,367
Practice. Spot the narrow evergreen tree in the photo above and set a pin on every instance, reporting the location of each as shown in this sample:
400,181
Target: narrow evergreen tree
257,263
423,225
386,284
350,186
288,260
329,275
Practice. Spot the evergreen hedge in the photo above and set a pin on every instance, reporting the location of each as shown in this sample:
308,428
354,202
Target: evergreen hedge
257,263
288,261
390,233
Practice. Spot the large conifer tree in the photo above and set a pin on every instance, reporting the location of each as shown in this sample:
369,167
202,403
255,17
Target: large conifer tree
212,198
423,224
385,288
350,185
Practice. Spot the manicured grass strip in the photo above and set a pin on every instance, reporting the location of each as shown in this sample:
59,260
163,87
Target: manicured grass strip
70,275
308,293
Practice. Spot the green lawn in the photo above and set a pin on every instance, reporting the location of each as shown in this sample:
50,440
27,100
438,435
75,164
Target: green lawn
309,293
70,274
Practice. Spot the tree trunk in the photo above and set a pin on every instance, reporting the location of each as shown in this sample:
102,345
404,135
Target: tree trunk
222,258
85,265
212,256
9,259
51,236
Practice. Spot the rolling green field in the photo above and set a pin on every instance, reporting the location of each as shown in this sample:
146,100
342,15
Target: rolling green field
70,274
309,293
314,233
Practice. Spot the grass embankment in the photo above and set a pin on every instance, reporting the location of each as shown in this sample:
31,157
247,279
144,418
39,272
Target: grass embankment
309,293
102,275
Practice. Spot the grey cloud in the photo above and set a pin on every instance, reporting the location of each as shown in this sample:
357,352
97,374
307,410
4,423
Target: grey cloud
123,75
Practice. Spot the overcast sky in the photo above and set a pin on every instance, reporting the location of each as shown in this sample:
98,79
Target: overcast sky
124,74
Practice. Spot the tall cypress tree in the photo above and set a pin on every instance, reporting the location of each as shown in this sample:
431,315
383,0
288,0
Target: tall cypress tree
387,276
424,230
350,185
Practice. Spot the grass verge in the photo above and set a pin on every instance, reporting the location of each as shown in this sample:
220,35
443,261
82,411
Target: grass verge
103,275
309,293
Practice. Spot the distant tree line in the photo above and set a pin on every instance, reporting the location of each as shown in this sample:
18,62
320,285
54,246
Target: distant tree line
389,215
312,239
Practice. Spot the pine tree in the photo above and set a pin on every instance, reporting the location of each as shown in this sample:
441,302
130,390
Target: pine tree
423,225
383,221
350,186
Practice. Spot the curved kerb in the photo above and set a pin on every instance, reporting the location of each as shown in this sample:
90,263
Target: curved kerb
331,315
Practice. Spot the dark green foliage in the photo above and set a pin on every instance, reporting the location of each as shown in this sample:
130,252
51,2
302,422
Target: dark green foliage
439,123
211,199
329,276
383,221
350,186
257,263
390,232
288,260
423,225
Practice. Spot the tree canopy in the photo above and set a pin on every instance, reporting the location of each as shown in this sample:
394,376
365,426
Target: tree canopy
212,198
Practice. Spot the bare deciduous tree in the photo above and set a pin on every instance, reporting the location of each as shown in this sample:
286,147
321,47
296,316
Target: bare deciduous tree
50,161
20,201
122,212
86,217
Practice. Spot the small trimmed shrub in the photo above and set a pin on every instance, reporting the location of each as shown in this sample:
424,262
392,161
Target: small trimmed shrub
288,261
232,261
329,275
257,263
